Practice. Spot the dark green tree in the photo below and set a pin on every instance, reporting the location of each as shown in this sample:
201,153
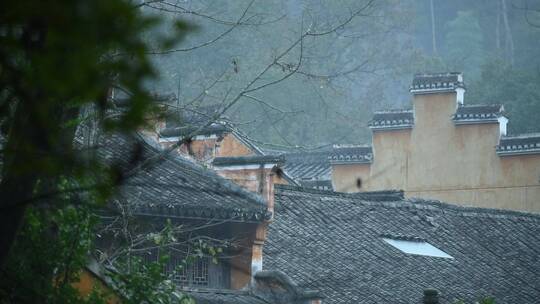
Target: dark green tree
516,88
57,58
464,43
59,61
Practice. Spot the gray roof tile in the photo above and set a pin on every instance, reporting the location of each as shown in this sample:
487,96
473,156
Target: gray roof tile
426,83
213,129
519,144
392,119
248,160
316,165
308,165
175,186
332,242
477,113
351,154
202,296
316,184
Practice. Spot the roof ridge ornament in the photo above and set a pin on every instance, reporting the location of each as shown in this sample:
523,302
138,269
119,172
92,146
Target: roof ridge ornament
426,83
519,144
392,120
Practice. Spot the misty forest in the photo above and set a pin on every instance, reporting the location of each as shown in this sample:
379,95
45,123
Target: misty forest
332,94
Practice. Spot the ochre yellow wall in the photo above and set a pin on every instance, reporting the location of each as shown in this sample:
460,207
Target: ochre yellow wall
231,146
207,149
440,160
247,249
88,282
349,175
257,180
247,178
394,150
279,180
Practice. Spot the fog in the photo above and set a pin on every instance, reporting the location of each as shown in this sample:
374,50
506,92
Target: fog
361,57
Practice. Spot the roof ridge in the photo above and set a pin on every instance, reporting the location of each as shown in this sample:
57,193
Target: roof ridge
385,195
345,146
522,135
387,111
470,105
472,209
437,74
215,290
248,159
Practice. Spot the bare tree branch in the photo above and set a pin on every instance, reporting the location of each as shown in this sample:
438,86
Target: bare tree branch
218,37
169,7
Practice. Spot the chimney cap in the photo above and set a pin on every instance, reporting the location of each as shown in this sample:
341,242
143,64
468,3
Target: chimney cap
431,296
431,292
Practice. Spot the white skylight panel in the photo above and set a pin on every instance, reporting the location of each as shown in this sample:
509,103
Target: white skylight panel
418,248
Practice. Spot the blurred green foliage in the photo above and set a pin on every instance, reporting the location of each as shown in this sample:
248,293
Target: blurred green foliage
59,61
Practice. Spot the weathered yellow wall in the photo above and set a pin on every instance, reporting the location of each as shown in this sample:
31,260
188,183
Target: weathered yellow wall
277,179
207,149
258,180
88,282
241,259
394,150
349,175
231,146
455,163
247,178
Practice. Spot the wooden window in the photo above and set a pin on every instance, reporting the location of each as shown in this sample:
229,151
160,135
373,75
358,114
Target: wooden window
192,274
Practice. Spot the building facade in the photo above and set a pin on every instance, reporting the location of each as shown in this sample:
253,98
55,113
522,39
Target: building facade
447,150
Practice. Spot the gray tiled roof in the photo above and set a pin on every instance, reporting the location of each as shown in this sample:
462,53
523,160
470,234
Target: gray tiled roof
392,119
268,287
426,83
519,144
213,129
248,160
308,165
225,297
174,186
314,169
332,242
477,113
190,120
351,154
317,184
194,122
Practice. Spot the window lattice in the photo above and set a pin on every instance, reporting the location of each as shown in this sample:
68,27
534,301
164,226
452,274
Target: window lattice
179,274
195,273
200,271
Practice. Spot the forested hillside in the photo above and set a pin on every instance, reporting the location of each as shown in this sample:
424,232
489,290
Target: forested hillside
327,65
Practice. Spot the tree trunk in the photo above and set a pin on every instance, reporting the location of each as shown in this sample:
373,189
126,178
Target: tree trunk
498,27
15,188
29,140
11,215
509,40
433,34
